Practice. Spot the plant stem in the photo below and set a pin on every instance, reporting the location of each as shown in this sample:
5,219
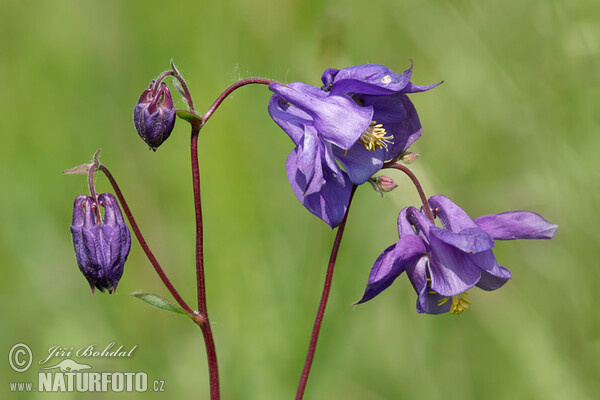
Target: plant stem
229,90
204,322
418,186
325,295
93,193
201,318
142,241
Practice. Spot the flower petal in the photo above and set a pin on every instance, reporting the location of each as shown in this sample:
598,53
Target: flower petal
486,260
516,225
289,118
399,117
391,263
417,273
451,270
370,79
452,216
491,282
404,225
338,119
309,161
360,163
419,220
412,88
470,240
330,202
429,303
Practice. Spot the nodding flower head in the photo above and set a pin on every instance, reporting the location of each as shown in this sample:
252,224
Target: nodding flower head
101,245
154,115
443,263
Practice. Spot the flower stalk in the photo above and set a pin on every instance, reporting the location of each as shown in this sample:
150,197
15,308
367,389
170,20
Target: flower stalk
138,234
417,184
310,355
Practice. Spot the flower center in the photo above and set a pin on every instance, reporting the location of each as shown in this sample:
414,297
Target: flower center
375,137
459,303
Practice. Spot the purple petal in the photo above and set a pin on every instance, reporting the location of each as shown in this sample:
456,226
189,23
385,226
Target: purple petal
330,202
452,216
328,76
370,79
487,262
429,302
310,163
417,273
491,282
391,263
404,225
451,270
291,119
419,220
399,117
337,118
411,88
78,210
516,225
360,163
470,240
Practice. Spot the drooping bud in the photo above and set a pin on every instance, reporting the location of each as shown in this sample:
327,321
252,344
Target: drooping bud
154,115
409,157
101,245
383,184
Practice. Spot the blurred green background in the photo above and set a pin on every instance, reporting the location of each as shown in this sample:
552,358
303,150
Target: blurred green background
514,126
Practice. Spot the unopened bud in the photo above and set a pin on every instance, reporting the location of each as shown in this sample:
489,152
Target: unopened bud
101,246
154,115
383,184
409,157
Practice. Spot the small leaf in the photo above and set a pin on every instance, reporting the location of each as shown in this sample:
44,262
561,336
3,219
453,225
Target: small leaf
96,157
188,116
158,302
80,169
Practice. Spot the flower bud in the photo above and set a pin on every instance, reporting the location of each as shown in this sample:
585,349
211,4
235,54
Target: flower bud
383,184
154,115
409,157
101,246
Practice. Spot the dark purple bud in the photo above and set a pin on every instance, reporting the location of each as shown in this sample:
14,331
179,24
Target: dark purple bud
101,246
154,115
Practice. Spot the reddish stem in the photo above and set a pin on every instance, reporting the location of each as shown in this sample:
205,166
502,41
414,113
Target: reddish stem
229,90
93,194
142,241
326,289
204,322
201,317
418,186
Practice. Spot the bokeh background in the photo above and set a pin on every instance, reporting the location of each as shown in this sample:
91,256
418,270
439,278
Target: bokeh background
515,126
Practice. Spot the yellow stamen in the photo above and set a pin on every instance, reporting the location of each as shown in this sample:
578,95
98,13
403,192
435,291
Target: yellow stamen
459,303
375,137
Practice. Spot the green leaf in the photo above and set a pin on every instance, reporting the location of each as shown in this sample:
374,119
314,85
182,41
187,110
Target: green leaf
159,302
188,116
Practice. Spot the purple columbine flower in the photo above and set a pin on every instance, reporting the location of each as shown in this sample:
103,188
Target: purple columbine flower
154,115
101,246
395,125
443,263
359,118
